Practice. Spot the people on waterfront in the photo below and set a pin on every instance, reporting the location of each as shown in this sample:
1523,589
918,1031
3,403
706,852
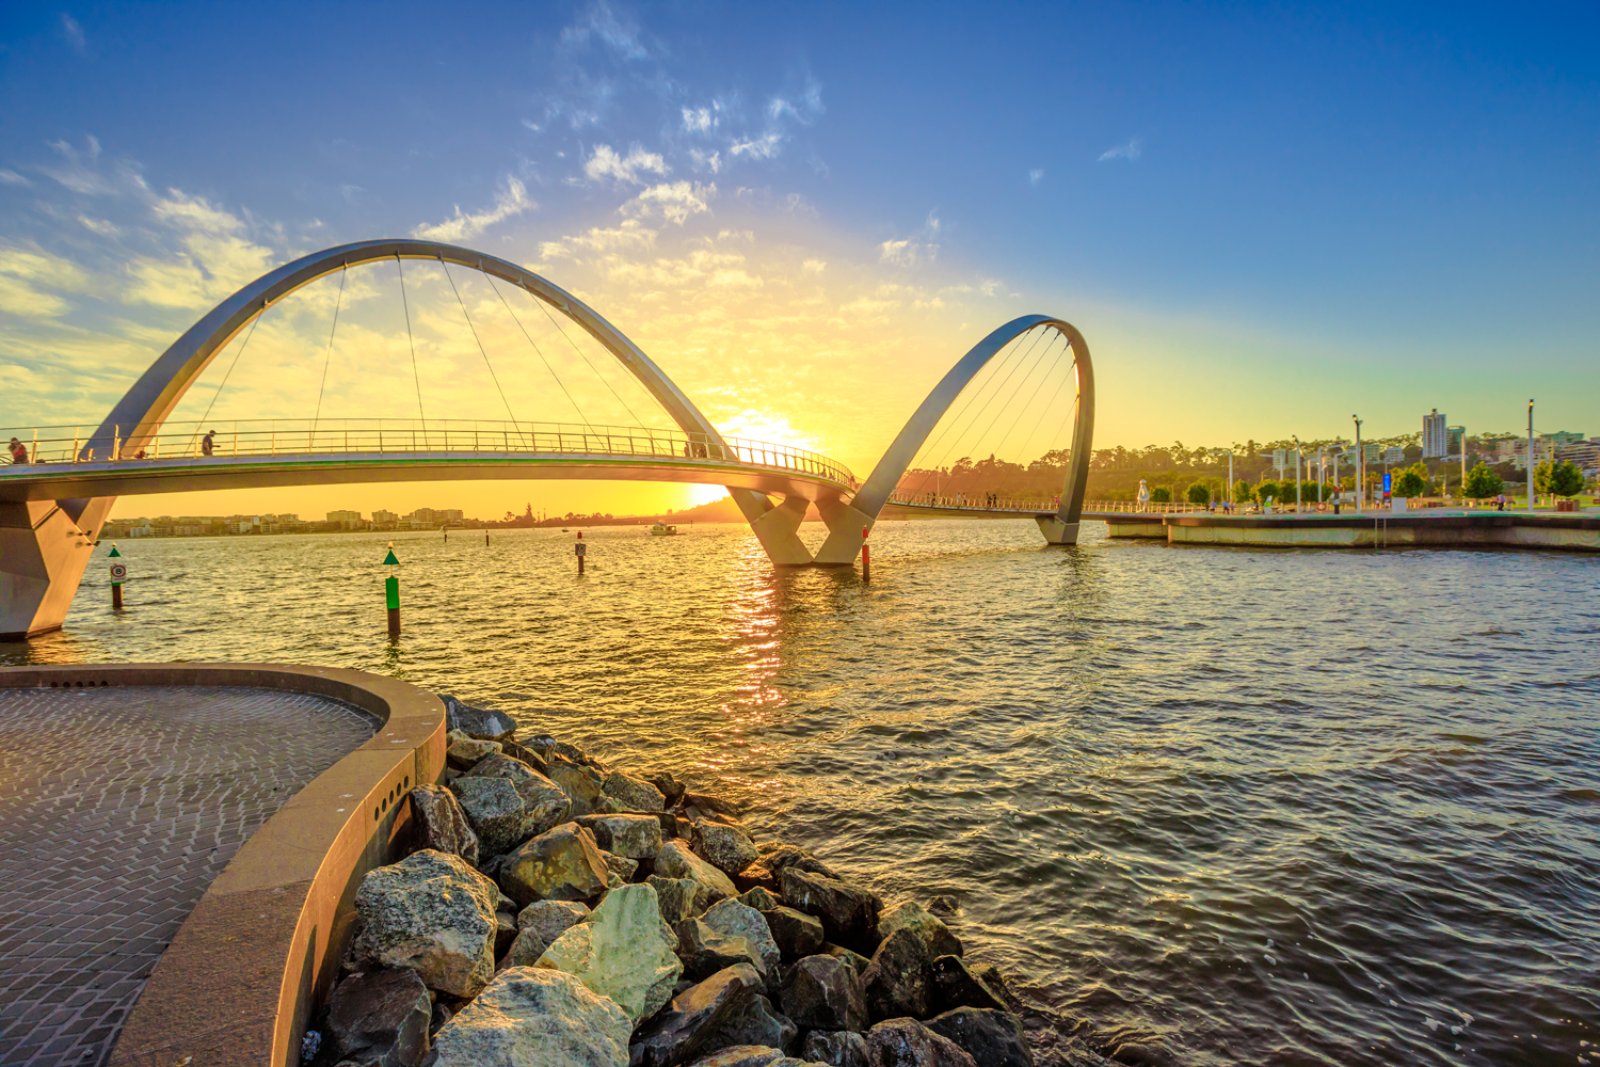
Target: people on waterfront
19,451
208,443
1500,502
1337,500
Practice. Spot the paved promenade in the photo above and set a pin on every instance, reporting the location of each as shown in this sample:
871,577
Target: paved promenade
118,806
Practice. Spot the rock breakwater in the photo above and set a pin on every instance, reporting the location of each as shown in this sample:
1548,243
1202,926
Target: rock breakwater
556,911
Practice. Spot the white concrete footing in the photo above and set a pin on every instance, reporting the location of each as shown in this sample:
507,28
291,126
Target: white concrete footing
1055,531
43,554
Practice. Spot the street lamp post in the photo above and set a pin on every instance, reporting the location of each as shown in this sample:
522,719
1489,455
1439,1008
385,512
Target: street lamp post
1299,461
1530,453
1361,467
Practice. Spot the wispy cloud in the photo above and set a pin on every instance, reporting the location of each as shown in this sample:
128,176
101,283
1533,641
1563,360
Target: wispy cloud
701,119
910,251
1035,176
606,163
512,200
74,34
11,177
601,23
763,147
674,201
1129,150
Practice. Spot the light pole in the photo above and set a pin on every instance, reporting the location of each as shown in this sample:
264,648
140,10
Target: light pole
1230,481
1530,453
1299,461
1361,466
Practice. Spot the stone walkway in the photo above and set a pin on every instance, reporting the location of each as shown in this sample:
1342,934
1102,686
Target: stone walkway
118,806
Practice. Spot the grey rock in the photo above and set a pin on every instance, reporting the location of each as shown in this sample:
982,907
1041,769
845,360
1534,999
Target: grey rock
918,919
692,1023
505,932
679,898
956,986
550,748
526,755
433,914
989,1037
380,1018
995,979
727,848
622,950
538,925
462,751
632,794
849,913
560,864
481,723
670,787
638,837
761,898
908,1043
899,980
495,811
675,860
778,857
824,993
836,1049
441,824
581,784
621,867
796,933
855,959
755,1023
534,1017
752,1056
544,804
728,933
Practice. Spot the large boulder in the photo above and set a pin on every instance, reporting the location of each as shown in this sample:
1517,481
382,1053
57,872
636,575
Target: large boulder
638,837
431,913
727,848
796,933
907,1043
992,1038
495,810
538,925
544,804
560,864
462,751
752,1056
778,857
839,1048
620,868
582,784
535,1017
632,794
441,824
848,913
693,1023
760,898
622,950
823,993
481,723
680,898
380,1018
956,985
675,860
919,920
899,980
728,933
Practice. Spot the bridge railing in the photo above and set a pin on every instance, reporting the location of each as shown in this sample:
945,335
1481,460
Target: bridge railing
1032,505
185,443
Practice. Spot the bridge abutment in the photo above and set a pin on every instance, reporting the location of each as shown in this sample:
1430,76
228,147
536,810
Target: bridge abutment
43,554
845,523
1055,531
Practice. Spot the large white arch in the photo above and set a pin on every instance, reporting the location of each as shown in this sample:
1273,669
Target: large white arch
845,526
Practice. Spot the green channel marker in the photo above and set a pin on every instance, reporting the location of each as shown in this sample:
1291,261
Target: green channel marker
391,593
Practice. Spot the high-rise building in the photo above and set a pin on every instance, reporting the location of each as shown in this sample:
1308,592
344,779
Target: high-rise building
347,520
1455,440
1435,436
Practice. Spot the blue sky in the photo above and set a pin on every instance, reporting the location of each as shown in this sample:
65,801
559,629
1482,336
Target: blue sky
1262,217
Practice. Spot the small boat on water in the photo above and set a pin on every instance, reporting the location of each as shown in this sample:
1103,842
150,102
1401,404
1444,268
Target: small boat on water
661,529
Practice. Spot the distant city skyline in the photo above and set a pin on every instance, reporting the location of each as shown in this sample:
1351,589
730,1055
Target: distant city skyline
1263,218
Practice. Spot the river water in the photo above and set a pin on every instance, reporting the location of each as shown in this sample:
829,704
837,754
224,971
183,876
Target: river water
1210,806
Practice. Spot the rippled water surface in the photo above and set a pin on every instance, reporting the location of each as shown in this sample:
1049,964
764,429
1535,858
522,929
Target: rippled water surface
1211,806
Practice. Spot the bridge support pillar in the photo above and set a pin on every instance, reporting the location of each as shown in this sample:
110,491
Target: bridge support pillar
845,523
777,528
43,554
1055,531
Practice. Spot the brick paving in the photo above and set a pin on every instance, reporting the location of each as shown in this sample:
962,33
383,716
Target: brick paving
118,806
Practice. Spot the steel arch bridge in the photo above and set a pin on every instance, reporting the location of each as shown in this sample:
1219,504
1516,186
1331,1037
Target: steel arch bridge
51,512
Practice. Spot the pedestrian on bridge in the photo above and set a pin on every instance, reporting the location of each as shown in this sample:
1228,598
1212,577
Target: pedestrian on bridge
208,443
19,451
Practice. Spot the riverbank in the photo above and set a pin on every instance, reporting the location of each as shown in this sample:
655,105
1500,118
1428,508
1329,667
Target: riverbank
557,910
1571,532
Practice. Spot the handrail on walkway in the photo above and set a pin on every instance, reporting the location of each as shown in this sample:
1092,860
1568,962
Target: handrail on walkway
273,437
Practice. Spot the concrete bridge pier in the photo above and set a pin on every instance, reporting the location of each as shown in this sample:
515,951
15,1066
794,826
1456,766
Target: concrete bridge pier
1055,531
845,523
45,546
776,527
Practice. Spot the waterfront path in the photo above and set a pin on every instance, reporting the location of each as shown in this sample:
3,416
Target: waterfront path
118,806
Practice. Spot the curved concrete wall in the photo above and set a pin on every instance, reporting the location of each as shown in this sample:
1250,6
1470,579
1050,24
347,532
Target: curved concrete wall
238,982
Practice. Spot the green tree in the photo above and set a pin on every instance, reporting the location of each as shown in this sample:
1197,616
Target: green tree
1160,495
1199,493
1483,483
1558,479
1412,481
1242,493
1266,488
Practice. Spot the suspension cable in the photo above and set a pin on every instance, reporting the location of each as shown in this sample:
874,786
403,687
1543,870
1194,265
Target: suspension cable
582,355
950,421
492,375
1024,409
337,305
229,373
539,352
1053,396
415,373
1009,374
